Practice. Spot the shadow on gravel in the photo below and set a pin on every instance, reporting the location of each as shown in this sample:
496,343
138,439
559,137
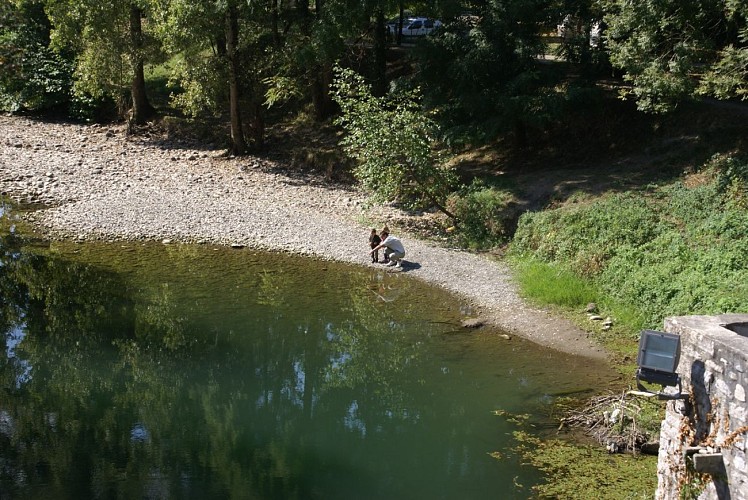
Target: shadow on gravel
409,266
404,268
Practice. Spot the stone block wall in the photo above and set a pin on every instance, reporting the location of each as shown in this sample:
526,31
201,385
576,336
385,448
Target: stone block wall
710,427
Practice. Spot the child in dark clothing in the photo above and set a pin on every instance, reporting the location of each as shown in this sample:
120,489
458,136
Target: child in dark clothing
374,241
383,235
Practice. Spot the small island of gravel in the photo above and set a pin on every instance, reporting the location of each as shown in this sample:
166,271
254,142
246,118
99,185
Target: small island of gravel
96,182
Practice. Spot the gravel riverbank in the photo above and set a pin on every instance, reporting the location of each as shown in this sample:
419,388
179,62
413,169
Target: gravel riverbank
98,183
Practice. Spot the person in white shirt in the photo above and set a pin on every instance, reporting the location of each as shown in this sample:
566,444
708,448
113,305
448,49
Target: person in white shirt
394,249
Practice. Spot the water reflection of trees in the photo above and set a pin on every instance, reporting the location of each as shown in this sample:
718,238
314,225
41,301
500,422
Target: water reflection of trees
132,395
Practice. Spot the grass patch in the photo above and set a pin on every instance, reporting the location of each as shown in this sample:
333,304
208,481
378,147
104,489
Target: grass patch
547,283
671,250
569,294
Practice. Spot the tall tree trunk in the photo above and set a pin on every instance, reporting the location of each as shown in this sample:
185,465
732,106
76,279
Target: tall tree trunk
320,85
274,23
399,34
302,8
379,78
324,107
141,107
238,144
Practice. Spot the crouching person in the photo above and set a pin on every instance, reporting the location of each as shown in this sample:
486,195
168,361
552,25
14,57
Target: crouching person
393,248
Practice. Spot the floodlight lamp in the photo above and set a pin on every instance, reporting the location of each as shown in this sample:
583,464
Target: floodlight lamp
658,357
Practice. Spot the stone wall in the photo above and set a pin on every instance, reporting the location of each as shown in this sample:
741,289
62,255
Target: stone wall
703,437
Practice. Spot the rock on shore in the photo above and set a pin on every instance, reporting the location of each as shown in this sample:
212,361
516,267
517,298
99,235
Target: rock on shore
98,183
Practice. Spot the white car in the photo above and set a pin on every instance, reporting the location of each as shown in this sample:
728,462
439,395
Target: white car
571,26
394,24
420,26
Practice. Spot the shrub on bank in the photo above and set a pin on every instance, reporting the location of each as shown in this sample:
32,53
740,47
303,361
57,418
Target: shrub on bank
483,213
673,250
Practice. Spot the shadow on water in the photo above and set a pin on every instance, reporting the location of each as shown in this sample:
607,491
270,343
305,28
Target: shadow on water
145,370
405,266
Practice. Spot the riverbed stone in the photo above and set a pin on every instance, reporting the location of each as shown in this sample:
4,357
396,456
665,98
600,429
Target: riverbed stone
473,323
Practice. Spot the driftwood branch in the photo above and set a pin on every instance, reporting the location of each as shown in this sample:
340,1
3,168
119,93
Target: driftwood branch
612,420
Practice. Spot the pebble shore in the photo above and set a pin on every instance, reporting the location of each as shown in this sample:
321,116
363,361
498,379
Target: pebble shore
95,182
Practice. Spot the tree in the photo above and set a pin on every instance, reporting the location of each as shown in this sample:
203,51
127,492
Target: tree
224,50
673,50
238,145
379,59
580,23
110,45
307,50
393,141
479,72
142,109
728,75
32,76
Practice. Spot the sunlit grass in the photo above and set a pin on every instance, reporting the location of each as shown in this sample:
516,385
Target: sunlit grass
548,284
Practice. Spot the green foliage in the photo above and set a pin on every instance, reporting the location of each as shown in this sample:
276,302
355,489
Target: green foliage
728,77
37,76
217,71
303,64
586,472
392,140
98,35
281,89
483,215
678,250
584,235
33,76
670,51
479,73
732,179
553,284
159,82
202,86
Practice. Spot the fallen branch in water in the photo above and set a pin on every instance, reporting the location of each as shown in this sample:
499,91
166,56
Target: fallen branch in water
612,420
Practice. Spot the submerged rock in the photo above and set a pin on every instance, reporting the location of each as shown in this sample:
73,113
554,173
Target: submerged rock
473,323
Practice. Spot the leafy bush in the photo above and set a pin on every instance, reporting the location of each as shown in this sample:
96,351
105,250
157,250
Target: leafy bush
392,140
483,215
34,77
586,235
732,178
676,250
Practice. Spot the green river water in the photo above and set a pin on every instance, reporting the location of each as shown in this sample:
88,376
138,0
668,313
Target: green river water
176,371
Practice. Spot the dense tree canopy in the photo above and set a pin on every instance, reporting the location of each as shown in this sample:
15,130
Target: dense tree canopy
232,59
672,50
32,75
110,46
